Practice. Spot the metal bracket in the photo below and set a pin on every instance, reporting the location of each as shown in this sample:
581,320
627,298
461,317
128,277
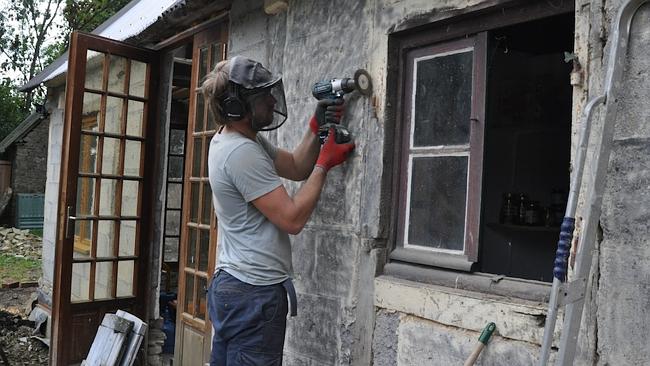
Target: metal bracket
573,291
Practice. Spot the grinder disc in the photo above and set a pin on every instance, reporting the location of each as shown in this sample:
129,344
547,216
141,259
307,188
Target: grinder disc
363,82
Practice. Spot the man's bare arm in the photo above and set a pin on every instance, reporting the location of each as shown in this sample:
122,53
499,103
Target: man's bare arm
297,165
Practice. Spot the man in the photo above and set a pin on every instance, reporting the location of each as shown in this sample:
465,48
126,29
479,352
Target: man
248,294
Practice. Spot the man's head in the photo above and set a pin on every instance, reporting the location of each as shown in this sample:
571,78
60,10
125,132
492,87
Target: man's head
240,88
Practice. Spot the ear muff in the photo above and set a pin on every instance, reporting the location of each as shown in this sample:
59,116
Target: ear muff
232,106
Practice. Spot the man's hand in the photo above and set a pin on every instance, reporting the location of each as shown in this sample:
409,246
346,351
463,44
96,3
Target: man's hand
327,111
333,154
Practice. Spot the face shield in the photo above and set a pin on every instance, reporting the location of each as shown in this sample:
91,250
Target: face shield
268,107
262,92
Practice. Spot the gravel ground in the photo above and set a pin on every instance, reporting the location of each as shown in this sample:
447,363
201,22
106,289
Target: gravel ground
16,331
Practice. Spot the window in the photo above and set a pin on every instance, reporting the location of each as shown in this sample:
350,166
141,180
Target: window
482,144
442,153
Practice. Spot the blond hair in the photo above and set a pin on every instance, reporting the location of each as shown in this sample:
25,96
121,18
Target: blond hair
214,88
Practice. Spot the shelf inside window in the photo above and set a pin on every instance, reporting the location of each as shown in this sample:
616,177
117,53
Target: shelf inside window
524,228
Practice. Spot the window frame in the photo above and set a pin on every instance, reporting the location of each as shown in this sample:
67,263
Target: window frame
460,260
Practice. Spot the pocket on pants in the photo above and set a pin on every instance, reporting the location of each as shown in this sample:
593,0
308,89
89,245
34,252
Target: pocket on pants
248,357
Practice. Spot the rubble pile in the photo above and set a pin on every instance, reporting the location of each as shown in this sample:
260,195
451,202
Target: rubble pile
16,341
20,243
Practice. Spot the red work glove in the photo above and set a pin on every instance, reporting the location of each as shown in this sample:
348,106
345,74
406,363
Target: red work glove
333,154
327,111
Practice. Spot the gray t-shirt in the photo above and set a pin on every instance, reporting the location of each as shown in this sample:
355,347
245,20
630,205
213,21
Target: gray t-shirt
251,247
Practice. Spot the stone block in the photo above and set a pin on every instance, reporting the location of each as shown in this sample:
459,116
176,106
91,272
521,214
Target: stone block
246,29
384,341
306,18
314,332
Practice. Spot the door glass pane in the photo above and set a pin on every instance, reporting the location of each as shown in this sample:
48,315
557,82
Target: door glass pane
204,250
85,196
111,156
203,70
88,154
130,197
116,73
437,202
132,152
194,203
105,238
137,79
443,95
103,280
125,270
83,231
177,141
108,193
114,112
202,288
189,294
94,70
200,112
175,167
172,225
135,118
127,237
207,204
80,284
191,248
198,152
90,112
174,195
217,55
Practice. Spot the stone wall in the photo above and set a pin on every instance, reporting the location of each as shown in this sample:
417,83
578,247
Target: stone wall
31,160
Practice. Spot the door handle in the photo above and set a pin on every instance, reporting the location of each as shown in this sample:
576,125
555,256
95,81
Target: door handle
69,222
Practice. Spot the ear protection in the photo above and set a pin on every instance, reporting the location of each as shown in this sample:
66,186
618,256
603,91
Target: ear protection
232,106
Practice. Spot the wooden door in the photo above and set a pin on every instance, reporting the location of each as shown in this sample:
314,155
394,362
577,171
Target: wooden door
105,200
199,233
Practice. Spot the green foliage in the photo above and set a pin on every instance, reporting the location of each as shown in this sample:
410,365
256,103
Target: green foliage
18,269
11,108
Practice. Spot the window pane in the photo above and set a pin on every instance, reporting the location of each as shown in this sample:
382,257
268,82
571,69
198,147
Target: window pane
132,158
127,237
171,250
130,197
202,288
105,238
80,284
207,204
191,248
194,203
216,55
204,250
108,193
125,271
114,112
137,78
134,118
175,167
442,105
172,225
94,69
437,202
189,294
111,156
83,231
200,113
177,141
198,151
90,112
116,73
85,196
88,154
103,280
174,195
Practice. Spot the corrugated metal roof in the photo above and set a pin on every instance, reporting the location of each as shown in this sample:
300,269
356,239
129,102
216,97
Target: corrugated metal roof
131,20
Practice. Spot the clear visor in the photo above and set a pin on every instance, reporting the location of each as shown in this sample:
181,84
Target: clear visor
268,107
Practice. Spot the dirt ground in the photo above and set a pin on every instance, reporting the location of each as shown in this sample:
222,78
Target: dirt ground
16,330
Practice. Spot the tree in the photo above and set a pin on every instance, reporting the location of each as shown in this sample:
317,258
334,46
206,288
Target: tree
24,28
11,104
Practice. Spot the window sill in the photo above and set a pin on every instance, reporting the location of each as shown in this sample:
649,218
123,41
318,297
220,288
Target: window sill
431,258
516,318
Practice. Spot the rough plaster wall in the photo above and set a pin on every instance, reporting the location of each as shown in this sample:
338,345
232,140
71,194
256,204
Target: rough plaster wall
51,204
624,261
334,263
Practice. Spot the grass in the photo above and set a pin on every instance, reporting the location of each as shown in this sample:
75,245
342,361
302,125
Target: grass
18,269
37,232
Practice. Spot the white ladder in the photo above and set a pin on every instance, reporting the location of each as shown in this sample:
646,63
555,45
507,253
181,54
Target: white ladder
571,295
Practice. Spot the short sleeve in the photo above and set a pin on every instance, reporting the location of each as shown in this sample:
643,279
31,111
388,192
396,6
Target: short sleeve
252,172
270,149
